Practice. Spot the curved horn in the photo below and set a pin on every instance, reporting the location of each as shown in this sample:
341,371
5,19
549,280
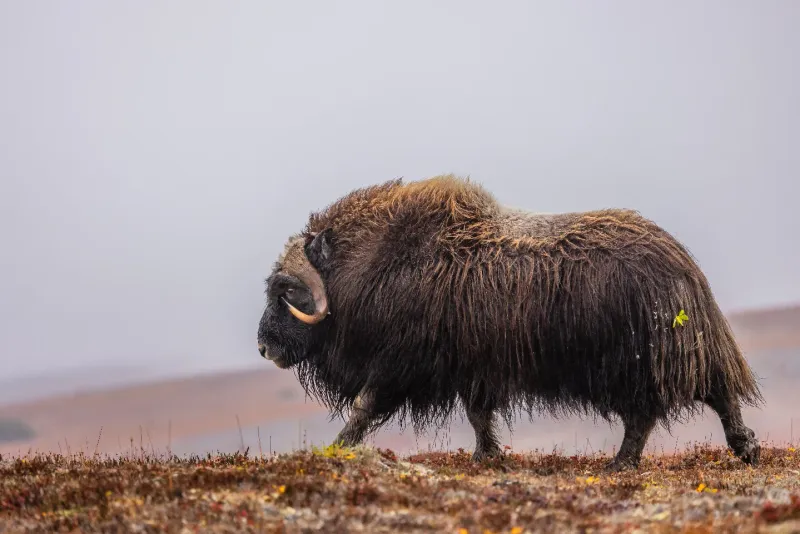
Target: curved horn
319,314
296,263
311,278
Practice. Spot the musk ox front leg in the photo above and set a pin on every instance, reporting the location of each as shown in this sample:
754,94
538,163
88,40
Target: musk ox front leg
741,439
637,429
487,444
362,414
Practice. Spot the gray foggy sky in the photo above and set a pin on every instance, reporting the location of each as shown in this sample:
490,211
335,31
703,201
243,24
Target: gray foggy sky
155,155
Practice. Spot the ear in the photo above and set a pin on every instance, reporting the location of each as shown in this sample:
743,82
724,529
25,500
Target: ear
320,249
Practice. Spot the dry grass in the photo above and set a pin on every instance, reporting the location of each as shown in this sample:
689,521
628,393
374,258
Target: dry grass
371,490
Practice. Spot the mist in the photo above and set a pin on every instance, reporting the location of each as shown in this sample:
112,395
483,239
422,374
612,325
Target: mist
154,156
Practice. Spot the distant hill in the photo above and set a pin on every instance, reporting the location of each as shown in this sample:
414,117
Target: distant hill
65,382
770,328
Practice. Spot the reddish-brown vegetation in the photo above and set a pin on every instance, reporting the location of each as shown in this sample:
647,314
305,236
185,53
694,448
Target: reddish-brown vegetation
372,490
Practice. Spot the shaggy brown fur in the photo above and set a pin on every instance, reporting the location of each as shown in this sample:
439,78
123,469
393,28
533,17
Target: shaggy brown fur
438,293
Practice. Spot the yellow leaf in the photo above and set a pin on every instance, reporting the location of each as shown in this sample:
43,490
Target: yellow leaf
516,530
703,488
463,531
791,449
680,318
281,489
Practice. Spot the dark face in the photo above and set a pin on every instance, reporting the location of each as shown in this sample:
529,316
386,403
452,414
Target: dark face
296,301
282,338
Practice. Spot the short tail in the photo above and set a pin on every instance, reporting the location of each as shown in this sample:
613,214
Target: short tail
706,343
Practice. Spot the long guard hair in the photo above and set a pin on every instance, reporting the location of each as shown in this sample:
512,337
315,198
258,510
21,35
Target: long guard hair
438,292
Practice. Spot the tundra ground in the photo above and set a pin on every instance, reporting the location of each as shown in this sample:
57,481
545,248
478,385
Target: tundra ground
372,490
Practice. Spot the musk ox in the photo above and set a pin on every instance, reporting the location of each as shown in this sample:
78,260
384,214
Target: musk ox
406,299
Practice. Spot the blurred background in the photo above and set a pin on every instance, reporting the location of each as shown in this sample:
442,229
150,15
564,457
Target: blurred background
154,156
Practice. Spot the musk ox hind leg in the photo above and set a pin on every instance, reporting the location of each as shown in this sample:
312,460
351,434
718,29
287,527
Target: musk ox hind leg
741,439
357,427
637,430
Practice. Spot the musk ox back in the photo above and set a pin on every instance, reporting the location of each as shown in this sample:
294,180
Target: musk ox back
406,299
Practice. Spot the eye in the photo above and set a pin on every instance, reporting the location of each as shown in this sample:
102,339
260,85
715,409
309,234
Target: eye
289,291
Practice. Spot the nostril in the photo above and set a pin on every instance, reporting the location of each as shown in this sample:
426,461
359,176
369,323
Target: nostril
262,349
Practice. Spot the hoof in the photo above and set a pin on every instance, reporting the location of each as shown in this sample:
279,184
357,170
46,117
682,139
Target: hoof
482,454
618,466
749,453
746,447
